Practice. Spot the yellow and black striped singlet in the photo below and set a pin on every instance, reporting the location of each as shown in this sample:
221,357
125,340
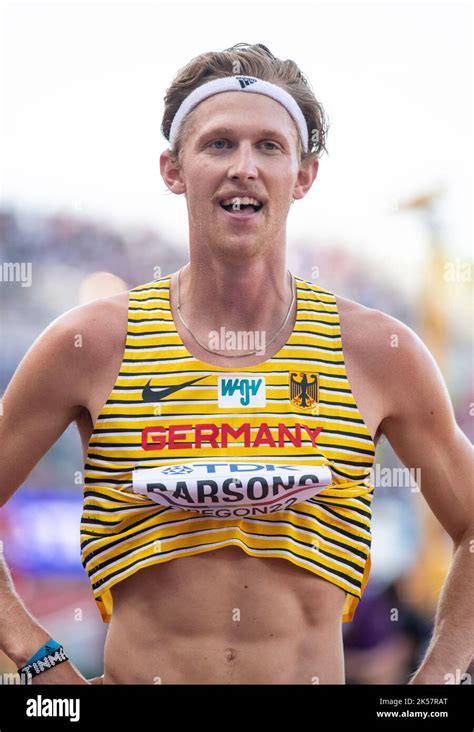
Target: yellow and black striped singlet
328,534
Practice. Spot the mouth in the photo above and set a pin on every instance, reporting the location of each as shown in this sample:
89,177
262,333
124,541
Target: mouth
239,209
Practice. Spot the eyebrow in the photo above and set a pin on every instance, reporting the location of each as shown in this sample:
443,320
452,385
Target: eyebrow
230,131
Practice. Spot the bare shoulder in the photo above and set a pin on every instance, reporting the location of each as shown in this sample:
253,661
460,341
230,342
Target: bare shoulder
98,321
378,339
102,324
53,382
353,310
91,336
395,358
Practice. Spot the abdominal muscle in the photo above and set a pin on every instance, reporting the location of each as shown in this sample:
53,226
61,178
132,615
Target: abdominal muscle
224,617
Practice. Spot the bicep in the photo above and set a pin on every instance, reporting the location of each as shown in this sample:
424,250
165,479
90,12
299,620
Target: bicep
41,400
422,429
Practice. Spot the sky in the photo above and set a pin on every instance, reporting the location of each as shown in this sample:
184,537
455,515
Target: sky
82,87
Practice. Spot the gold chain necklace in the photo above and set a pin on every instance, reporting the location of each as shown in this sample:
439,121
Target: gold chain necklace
242,355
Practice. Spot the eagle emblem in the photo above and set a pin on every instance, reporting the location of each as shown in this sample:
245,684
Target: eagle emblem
304,389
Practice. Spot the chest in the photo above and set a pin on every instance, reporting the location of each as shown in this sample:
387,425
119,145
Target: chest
366,395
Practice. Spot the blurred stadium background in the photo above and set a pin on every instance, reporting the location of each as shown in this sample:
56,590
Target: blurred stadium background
387,224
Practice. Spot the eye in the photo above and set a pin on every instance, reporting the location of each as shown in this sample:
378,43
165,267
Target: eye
265,142
215,141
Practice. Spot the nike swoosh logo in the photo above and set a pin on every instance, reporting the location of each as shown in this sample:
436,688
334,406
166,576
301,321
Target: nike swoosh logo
156,395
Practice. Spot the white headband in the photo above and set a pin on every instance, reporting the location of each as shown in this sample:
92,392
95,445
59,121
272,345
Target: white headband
240,83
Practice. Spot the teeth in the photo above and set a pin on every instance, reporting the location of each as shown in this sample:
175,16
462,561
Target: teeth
235,200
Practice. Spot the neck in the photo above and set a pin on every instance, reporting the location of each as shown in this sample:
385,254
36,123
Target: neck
246,299
243,297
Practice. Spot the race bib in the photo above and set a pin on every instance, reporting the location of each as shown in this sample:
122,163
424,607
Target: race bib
227,489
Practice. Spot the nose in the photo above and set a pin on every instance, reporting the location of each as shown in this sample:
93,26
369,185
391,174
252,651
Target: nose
243,164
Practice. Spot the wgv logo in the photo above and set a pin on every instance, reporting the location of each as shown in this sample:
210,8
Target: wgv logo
241,391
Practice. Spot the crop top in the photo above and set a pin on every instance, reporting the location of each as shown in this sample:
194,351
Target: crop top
186,457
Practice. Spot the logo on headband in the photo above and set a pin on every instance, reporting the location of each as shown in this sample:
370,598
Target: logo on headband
245,80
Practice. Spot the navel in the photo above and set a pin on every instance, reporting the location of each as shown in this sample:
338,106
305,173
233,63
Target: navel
230,654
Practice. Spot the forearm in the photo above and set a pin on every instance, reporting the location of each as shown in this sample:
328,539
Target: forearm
451,648
21,635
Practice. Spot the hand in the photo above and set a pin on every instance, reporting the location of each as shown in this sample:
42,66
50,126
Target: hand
21,635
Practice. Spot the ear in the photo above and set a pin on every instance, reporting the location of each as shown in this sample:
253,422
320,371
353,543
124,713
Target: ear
171,173
306,176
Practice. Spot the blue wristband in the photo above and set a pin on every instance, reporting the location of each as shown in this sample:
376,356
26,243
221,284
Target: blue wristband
49,647
47,657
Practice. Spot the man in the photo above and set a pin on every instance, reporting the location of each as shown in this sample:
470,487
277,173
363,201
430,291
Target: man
226,523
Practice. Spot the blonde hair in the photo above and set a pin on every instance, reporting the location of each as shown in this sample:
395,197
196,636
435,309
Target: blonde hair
251,60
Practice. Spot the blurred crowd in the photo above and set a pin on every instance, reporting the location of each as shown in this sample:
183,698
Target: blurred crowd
394,620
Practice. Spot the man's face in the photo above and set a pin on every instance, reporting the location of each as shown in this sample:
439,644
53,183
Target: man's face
236,142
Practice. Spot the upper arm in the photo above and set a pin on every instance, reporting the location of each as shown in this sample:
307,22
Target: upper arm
43,397
420,425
